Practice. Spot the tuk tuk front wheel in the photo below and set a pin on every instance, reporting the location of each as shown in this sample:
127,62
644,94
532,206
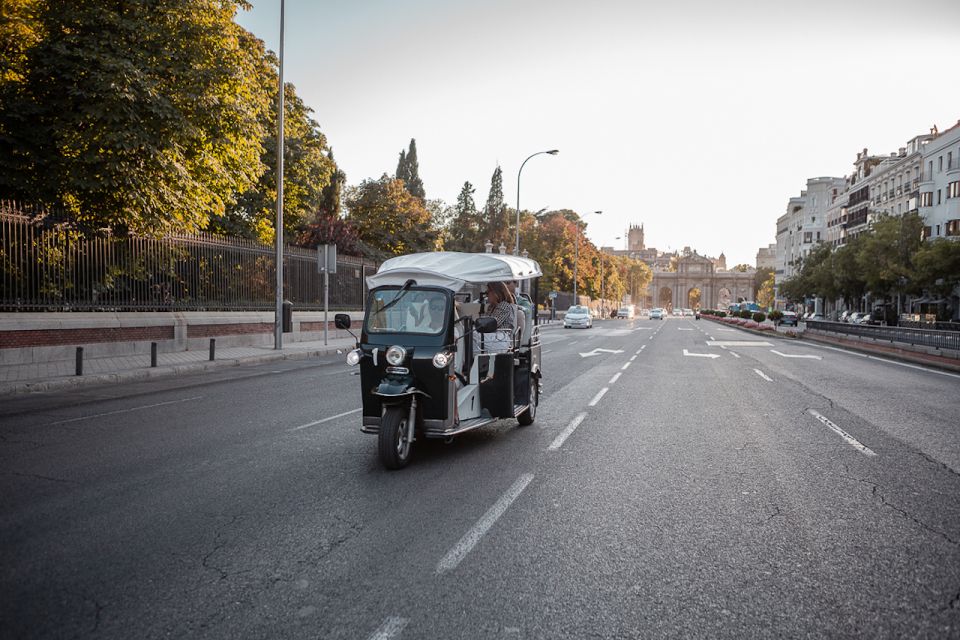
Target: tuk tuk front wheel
529,415
393,443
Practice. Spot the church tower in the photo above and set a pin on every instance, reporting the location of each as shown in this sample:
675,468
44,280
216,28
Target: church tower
635,238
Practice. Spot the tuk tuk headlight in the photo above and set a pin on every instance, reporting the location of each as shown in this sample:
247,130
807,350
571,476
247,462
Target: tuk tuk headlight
396,355
353,358
441,359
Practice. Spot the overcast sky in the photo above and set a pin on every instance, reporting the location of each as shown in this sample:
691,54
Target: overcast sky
697,118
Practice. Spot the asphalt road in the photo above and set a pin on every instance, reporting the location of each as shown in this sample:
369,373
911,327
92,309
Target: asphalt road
690,481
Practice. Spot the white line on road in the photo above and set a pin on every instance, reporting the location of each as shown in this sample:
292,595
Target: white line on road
614,379
700,355
763,375
472,537
787,355
574,341
560,439
316,422
624,367
112,413
633,357
392,627
902,364
599,395
542,352
734,354
867,451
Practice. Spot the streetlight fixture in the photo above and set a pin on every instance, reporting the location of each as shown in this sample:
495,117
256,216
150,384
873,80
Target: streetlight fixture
552,152
576,259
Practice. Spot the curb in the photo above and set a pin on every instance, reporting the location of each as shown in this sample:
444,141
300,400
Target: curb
134,375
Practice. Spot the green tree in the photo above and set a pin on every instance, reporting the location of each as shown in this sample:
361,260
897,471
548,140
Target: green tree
388,219
494,225
885,253
408,170
463,233
938,267
133,116
308,169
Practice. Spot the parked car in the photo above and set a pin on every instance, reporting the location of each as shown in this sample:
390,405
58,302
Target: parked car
656,314
578,317
845,316
854,318
790,318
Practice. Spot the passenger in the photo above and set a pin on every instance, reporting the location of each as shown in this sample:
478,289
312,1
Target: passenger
521,300
500,305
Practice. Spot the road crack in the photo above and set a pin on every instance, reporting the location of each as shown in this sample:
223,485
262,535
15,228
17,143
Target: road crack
876,491
935,462
40,477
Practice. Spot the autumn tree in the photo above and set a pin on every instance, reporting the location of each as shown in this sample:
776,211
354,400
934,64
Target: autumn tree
147,117
388,218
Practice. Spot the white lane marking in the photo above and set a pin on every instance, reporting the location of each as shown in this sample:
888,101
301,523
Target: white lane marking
545,352
598,351
599,395
763,375
614,379
738,343
392,627
856,444
788,355
113,413
642,348
684,329
701,355
902,364
574,341
632,358
560,439
472,537
735,354
624,367
316,422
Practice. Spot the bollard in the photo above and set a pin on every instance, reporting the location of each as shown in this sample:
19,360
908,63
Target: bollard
153,354
79,361
213,348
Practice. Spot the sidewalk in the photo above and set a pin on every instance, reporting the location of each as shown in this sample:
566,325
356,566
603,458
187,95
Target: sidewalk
61,374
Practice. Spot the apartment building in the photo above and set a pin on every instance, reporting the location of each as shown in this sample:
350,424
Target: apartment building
766,257
804,224
879,185
939,186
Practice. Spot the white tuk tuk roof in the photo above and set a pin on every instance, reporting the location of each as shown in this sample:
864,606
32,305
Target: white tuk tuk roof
451,270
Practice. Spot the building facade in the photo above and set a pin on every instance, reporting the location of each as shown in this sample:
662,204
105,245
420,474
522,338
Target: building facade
767,257
804,225
939,186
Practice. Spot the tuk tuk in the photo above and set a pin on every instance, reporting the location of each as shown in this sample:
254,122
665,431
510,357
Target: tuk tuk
432,363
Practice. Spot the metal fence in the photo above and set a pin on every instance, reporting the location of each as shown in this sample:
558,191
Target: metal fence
45,266
905,335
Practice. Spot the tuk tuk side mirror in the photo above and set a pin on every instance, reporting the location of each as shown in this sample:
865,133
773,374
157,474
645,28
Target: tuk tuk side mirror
341,321
485,324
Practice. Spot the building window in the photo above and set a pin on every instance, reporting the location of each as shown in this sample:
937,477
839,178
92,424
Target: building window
953,190
949,159
807,237
938,231
940,167
930,170
818,236
938,199
926,199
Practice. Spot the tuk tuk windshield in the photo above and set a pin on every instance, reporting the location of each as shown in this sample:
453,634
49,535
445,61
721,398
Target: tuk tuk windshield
407,311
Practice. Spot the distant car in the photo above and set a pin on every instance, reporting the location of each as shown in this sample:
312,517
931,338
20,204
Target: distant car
790,319
656,314
578,317
854,318
626,312
845,316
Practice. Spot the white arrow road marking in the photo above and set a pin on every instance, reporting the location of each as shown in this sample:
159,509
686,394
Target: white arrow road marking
786,355
763,375
701,355
598,351
472,537
867,451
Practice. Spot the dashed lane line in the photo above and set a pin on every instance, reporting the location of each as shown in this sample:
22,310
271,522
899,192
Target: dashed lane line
624,367
560,439
470,539
856,444
614,379
316,422
113,413
597,397
763,375
391,628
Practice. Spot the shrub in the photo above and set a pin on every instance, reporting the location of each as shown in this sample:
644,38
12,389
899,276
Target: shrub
776,316
721,314
746,314
759,317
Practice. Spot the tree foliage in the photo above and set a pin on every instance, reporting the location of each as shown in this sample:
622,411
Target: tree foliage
134,116
408,170
388,219
495,224
463,231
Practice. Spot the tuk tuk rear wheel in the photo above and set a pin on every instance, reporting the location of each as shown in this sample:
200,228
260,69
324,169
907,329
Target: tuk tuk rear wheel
529,415
393,445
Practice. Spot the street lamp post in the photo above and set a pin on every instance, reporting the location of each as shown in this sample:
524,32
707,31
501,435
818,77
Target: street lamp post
278,316
576,259
552,152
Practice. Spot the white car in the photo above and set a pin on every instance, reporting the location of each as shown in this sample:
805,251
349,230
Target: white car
577,317
656,314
